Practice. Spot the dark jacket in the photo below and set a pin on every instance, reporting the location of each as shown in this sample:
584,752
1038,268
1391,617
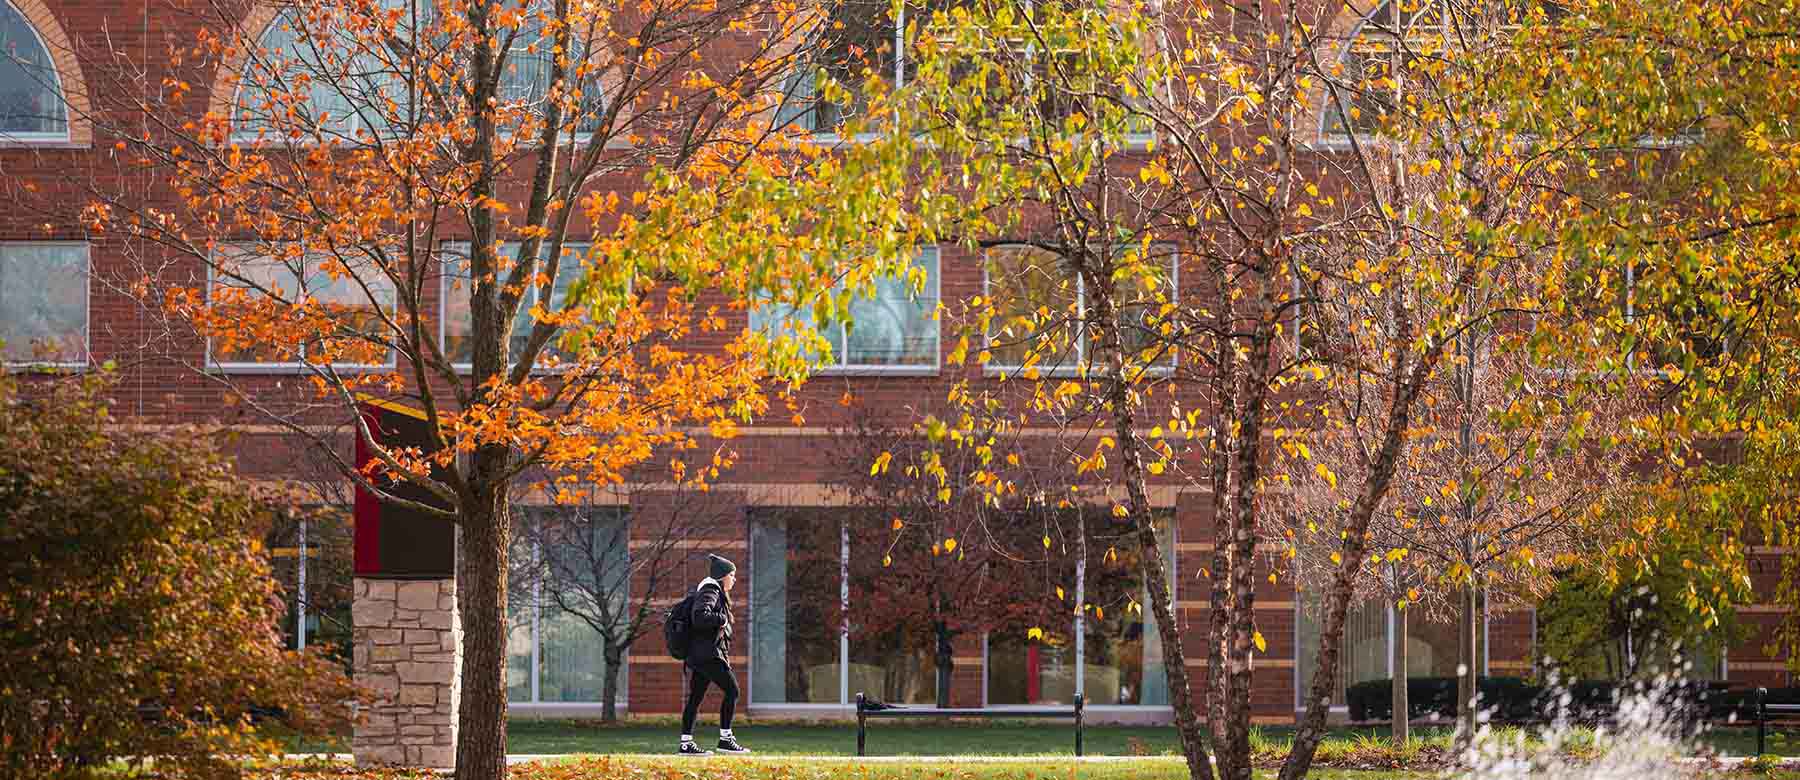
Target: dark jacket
711,635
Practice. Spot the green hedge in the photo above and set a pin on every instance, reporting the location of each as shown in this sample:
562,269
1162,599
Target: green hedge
1515,699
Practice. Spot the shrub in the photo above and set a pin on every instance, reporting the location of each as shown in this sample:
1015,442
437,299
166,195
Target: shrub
137,613
1513,697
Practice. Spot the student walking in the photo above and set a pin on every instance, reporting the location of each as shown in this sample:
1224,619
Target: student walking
709,649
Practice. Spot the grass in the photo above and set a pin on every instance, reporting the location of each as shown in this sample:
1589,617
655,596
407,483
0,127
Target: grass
778,768
1361,746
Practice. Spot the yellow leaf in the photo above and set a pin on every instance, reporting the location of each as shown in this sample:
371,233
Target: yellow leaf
1035,633
1099,614
1059,593
1261,645
887,560
881,463
1046,542
1325,473
1156,468
1119,511
950,545
898,524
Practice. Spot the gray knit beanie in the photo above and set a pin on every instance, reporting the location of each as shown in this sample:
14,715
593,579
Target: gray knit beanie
719,566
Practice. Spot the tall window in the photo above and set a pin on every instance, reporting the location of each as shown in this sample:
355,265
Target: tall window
1042,309
458,320
554,655
896,327
1432,648
31,97
347,304
797,645
44,303
1112,654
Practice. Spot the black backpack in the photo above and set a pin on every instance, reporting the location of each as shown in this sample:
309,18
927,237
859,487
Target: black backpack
678,627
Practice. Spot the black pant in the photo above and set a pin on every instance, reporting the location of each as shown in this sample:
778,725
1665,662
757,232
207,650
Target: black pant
716,672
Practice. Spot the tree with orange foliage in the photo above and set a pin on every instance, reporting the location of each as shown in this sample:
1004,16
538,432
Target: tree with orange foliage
533,220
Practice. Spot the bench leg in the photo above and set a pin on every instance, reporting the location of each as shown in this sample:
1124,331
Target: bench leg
861,725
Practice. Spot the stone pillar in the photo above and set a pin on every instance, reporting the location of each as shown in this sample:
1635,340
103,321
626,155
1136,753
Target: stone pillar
408,657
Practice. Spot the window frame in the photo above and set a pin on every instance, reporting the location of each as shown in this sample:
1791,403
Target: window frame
60,93
1075,368
87,312
287,367
574,249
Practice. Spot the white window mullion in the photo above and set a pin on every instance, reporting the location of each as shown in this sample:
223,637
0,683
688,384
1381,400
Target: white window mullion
1080,625
844,611
537,614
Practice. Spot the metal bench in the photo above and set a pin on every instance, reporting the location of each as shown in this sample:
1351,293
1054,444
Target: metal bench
864,711
1763,708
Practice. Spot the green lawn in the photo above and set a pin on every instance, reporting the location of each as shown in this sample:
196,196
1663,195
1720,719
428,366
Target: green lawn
982,738
656,735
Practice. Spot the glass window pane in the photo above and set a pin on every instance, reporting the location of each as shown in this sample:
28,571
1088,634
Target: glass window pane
587,578
458,318
780,321
1122,652
242,283
571,664
898,326
354,298
1365,652
1036,308
525,81
520,610
30,98
43,302
1034,671
794,584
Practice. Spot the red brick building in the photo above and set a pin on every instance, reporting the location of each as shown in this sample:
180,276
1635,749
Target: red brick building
63,304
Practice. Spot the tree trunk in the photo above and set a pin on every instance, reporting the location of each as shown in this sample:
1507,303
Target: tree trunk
1470,666
1402,708
609,686
1156,575
945,664
481,569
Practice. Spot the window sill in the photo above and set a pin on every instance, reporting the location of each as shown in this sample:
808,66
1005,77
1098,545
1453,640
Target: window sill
854,371
1066,372
27,142
291,369
36,367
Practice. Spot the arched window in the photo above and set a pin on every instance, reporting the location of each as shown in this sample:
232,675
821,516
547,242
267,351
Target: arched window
31,97
1380,50
305,80
310,78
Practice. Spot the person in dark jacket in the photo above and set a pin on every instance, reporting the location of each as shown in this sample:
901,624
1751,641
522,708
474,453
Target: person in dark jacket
708,657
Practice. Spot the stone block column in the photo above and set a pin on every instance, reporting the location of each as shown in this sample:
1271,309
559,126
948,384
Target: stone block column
408,658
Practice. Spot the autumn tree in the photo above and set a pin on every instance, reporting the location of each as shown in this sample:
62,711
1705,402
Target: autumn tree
932,563
142,623
1167,229
532,220
1490,501
1679,251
